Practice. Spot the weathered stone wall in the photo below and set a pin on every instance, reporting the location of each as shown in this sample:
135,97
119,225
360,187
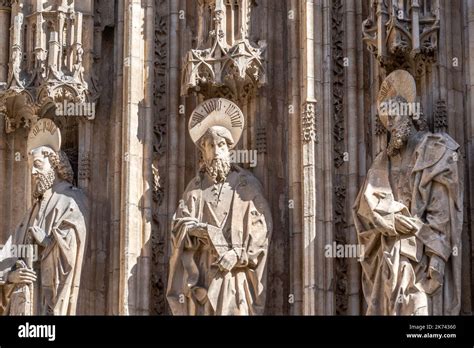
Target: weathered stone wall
313,124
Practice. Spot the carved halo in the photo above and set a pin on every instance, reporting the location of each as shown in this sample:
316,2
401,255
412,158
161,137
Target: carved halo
398,83
216,112
44,133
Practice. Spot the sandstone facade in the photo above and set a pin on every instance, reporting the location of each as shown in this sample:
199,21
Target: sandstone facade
306,75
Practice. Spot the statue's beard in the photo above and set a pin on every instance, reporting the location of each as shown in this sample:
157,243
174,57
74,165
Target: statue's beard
399,136
43,183
218,169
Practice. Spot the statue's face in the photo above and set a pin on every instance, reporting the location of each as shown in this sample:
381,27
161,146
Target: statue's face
396,113
216,155
42,171
40,162
214,147
390,122
400,128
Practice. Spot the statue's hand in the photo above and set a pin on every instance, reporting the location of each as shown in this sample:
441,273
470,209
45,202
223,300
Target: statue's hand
228,261
39,235
22,275
405,224
434,279
198,229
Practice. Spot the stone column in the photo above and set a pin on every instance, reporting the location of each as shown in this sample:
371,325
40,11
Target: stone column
353,118
308,128
469,144
5,14
294,162
325,282
116,155
173,140
136,127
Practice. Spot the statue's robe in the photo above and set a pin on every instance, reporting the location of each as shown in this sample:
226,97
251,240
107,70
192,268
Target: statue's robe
196,285
63,217
423,183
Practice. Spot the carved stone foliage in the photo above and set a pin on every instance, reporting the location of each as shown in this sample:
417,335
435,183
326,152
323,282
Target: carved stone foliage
158,235
160,63
225,59
340,238
403,34
340,264
46,61
338,81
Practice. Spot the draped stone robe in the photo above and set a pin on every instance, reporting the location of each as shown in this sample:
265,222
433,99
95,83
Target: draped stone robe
63,216
241,221
423,182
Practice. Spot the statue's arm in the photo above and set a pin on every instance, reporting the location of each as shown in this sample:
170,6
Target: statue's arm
260,227
41,236
4,276
66,237
375,212
187,205
10,280
435,232
5,294
67,232
185,218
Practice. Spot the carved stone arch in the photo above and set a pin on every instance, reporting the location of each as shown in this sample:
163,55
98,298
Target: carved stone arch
205,72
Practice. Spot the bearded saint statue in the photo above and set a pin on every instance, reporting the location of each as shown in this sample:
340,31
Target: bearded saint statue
56,226
222,228
408,214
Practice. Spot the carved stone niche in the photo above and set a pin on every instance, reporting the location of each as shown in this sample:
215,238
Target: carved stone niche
225,63
403,34
47,61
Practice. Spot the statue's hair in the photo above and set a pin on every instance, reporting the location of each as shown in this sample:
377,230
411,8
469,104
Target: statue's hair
62,166
219,131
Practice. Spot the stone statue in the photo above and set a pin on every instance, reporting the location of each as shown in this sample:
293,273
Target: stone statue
408,214
222,228
55,226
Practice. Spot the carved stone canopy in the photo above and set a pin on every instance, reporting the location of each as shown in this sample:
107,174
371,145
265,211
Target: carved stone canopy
46,62
226,63
403,34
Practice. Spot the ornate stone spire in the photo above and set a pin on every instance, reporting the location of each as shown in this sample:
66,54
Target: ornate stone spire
226,63
403,34
47,61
